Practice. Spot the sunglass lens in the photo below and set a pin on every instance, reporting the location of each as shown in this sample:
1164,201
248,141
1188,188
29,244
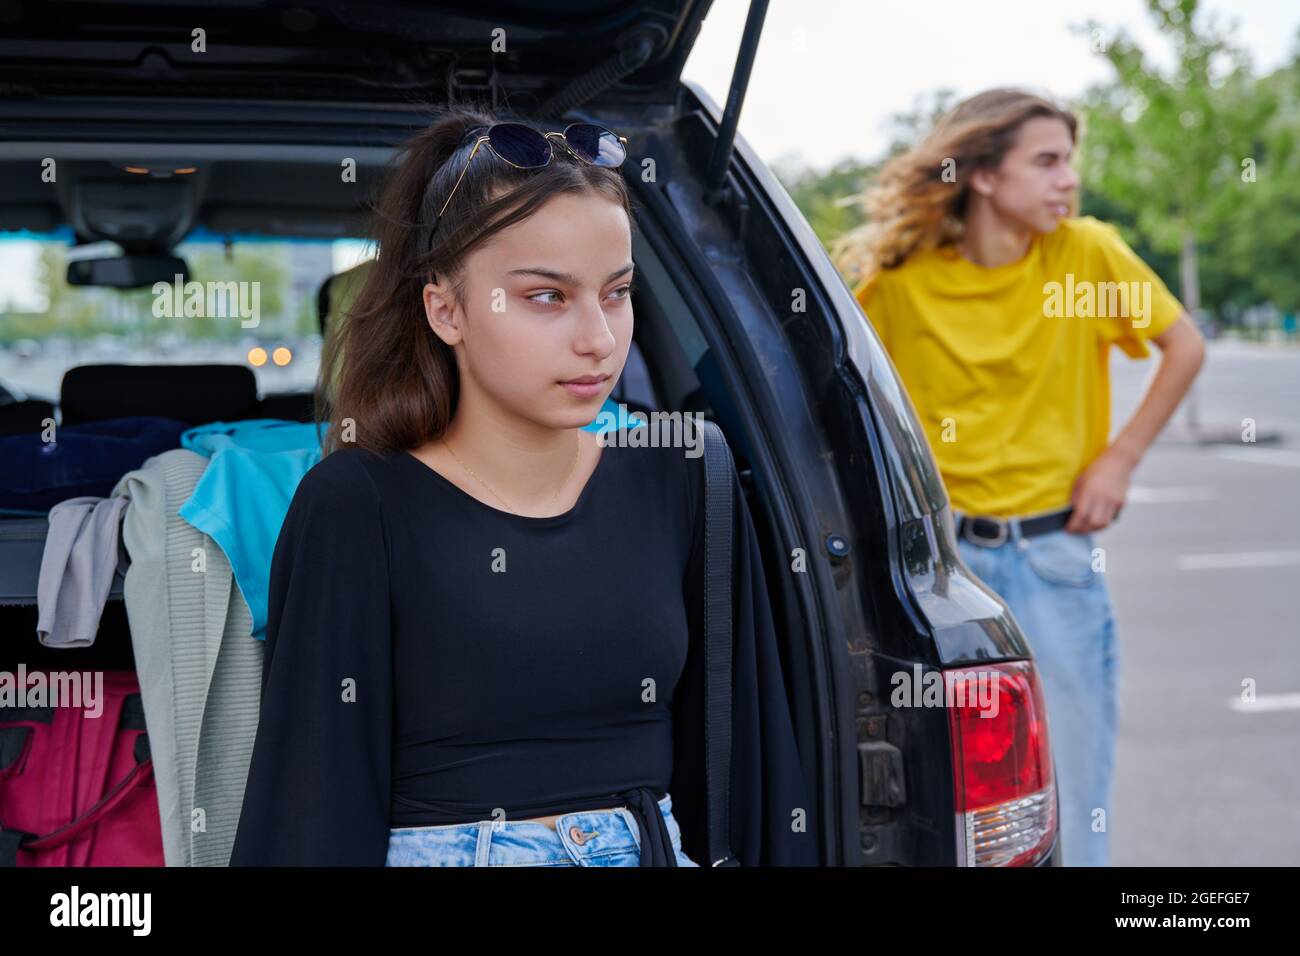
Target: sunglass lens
520,144
595,144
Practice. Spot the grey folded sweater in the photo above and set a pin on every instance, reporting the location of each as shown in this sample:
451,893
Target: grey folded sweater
200,672
81,558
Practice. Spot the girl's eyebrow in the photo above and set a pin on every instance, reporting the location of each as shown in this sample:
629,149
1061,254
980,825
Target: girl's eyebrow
566,277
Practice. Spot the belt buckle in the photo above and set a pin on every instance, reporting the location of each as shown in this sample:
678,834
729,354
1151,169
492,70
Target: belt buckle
968,529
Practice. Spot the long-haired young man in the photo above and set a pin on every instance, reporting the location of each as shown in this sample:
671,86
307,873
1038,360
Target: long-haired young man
998,306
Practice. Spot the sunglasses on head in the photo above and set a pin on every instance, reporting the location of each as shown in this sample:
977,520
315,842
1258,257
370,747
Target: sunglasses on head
526,148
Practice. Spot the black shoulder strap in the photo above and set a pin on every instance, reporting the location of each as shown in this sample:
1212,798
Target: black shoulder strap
718,638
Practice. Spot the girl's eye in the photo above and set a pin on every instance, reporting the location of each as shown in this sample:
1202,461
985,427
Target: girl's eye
620,293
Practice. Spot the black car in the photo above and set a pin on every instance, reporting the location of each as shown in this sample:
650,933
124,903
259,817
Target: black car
239,124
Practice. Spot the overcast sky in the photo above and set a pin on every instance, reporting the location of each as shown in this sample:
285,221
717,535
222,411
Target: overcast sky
830,73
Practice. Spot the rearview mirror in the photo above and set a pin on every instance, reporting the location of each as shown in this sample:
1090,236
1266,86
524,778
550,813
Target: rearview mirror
128,271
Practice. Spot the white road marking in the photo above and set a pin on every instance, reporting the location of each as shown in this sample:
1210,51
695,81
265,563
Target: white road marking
1241,559
1262,456
1142,494
1251,350
1265,702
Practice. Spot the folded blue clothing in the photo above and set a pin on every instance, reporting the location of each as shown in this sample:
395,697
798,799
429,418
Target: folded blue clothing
256,434
607,418
244,494
240,502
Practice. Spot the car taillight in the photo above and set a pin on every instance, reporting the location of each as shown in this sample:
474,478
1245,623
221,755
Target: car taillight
1002,762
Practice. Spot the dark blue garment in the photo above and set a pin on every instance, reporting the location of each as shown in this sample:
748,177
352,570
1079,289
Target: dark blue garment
431,659
86,459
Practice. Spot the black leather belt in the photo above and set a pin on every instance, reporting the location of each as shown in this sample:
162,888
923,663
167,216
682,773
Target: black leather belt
991,532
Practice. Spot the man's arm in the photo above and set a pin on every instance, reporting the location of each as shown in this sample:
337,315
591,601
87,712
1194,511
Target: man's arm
1101,489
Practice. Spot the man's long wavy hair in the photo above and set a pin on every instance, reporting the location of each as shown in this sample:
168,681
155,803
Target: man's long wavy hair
918,200
386,381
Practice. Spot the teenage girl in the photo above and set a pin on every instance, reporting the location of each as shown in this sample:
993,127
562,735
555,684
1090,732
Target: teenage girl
485,621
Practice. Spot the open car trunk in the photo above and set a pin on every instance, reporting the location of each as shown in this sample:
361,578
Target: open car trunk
265,105
537,58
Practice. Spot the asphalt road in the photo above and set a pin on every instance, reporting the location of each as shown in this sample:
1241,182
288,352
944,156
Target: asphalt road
1204,570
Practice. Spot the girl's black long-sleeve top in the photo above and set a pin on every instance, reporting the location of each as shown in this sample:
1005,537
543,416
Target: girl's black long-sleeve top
432,659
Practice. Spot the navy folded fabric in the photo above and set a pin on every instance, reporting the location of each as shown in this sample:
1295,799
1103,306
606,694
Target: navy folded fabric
86,459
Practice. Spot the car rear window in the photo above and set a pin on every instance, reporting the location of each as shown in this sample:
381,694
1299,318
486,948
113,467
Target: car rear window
246,300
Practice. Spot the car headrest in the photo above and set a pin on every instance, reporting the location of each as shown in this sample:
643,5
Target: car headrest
20,418
337,293
191,393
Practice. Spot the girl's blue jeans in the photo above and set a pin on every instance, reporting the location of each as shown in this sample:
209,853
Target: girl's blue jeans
1063,607
606,837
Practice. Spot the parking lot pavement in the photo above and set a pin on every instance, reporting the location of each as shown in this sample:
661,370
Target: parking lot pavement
1204,568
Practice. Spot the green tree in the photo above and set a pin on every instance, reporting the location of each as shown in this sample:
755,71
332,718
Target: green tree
1259,242
1173,148
828,200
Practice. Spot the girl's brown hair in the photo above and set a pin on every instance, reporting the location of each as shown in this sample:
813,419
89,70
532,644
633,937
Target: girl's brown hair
386,381
913,205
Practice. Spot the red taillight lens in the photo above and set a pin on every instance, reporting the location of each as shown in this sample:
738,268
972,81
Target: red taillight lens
1002,760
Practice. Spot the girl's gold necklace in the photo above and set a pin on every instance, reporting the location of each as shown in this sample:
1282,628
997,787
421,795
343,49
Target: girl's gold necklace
576,455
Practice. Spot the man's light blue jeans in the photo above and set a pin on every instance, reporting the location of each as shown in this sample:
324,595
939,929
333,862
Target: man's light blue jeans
1063,607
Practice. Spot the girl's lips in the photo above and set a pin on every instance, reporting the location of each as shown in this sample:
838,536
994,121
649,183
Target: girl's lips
586,389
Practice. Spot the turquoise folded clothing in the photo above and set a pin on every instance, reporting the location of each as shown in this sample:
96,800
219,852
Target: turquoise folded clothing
240,502
607,418
244,494
255,434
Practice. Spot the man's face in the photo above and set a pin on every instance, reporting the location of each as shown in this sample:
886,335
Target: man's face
547,302
1034,186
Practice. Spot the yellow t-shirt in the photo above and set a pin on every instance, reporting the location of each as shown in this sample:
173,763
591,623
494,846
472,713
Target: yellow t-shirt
1008,367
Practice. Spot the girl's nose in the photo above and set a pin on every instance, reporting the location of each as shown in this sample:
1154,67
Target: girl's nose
593,333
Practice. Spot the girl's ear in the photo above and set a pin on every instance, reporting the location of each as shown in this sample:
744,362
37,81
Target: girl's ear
440,311
982,181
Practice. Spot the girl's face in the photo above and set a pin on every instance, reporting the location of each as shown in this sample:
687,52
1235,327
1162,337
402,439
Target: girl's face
547,302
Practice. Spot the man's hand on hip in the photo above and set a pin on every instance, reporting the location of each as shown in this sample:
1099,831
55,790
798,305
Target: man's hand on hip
1100,491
